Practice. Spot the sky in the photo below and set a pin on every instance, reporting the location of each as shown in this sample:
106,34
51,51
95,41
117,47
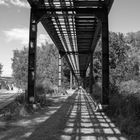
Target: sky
14,26
125,16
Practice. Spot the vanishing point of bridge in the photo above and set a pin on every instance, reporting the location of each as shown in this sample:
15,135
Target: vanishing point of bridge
75,26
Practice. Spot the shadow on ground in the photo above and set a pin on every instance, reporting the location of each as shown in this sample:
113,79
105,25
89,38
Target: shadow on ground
22,127
77,120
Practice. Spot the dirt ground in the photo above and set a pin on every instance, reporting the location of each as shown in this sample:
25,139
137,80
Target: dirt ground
69,118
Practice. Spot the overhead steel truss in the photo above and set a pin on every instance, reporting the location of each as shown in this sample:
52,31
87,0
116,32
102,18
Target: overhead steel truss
75,27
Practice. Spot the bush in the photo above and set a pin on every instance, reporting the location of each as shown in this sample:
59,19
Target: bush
115,102
18,107
47,87
11,111
41,99
97,91
129,87
21,98
41,91
125,110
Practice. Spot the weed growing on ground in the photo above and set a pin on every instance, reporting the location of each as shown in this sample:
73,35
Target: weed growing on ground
124,109
19,106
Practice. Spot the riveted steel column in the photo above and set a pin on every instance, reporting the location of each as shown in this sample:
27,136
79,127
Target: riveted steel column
59,71
74,81
32,59
71,77
91,73
105,59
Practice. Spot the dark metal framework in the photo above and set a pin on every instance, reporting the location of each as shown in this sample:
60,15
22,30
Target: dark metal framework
32,58
59,71
75,27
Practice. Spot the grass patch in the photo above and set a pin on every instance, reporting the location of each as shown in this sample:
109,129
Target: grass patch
124,110
19,108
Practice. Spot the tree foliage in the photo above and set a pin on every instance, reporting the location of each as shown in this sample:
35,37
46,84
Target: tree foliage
19,66
118,57
1,66
47,66
123,57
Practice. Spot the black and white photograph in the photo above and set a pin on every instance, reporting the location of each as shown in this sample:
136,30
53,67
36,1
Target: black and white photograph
69,69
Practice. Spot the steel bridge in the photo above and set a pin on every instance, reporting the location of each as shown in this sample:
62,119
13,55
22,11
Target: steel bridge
75,26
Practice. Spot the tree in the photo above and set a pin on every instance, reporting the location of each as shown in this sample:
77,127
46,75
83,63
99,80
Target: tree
1,66
118,57
47,63
19,66
47,66
65,73
133,40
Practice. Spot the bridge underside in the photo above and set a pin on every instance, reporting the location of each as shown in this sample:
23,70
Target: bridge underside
75,27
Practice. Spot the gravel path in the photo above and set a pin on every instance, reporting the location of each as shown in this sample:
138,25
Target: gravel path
71,118
77,120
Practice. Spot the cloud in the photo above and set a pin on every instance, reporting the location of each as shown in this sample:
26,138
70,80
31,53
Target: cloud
3,2
19,3
17,34
22,35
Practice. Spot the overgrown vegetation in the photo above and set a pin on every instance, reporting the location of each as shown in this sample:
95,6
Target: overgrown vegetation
47,67
1,66
124,109
46,80
20,108
124,77
124,60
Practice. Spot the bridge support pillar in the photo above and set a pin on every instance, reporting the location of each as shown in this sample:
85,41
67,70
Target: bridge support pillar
71,78
32,59
84,81
105,59
59,72
91,74
74,81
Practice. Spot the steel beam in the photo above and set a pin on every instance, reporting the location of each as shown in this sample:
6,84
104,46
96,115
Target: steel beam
91,74
75,52
59,72
88,11
74,81
71,77
105,59
95,38
32,59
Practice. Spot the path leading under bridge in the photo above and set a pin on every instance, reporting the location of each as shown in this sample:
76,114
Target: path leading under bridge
74,118
75,27
77,120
